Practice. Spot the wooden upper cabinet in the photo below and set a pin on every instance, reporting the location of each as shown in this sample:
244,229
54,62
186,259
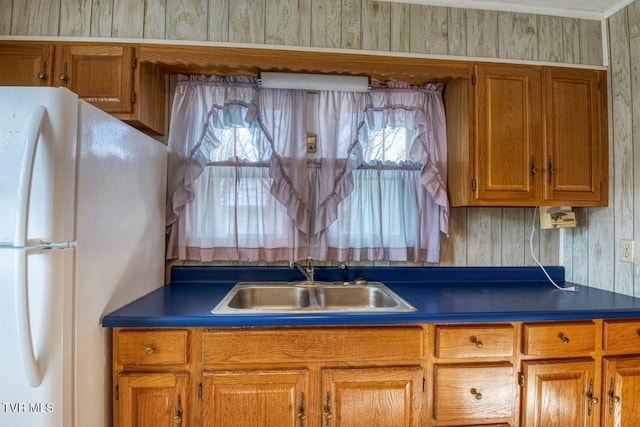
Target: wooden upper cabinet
99,74
106,75
575,151
527,136
507,132
26,65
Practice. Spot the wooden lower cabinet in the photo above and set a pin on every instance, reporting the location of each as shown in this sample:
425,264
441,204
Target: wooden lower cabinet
254,398
483,392
555,374
382,397
152,399
559,394
620,392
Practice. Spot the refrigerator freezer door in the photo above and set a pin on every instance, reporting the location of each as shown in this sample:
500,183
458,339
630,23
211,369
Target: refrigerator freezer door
51,174
120,243
50,316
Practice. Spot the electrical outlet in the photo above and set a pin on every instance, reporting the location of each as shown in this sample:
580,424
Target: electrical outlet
626,250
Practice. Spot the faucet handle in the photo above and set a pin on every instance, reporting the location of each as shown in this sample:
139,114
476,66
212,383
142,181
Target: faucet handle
345,273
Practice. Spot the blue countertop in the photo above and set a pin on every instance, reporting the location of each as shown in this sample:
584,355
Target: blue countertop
440,295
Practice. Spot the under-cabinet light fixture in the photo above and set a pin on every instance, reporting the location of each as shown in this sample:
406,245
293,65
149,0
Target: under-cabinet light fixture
314,81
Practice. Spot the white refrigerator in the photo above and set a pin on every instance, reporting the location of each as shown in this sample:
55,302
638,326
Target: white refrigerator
82,210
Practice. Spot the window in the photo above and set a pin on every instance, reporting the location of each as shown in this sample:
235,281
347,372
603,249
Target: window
252,194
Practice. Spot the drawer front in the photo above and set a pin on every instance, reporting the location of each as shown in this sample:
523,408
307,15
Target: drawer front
474,341
558,339
622,335
477,392
152,347
309,344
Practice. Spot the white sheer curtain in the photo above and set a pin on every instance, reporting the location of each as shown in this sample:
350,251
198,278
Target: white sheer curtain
241,150
397,204
240,186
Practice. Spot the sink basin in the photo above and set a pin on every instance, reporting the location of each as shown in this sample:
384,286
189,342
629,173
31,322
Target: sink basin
306,297
355,297
270,297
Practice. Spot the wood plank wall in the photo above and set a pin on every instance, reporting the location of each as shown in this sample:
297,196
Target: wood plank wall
591,252
479,236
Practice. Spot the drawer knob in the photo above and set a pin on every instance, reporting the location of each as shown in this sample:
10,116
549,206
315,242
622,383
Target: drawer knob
478,396
565,340
148,350
478,343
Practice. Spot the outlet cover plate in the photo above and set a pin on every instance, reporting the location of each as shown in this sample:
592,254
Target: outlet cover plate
626,250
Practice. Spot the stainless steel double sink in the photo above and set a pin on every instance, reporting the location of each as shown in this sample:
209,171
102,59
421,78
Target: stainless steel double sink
310,297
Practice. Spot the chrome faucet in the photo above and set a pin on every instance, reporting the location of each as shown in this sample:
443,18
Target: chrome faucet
306,271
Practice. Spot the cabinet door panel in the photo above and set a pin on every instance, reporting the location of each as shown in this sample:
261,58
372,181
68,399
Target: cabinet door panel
507,132
152,399
254,398
101,75
24,64
621,392
575,149
381,397
556,394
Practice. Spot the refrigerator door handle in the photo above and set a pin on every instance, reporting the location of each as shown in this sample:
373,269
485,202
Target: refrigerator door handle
26,173
23,323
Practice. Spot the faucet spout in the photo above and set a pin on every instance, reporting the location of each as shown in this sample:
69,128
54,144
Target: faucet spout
307,271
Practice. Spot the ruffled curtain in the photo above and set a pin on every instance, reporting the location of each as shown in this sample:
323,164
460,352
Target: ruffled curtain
422,109
393,207
260,200
206,112
340,117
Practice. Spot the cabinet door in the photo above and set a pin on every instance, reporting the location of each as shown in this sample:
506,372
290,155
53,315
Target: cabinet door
381,397
101,75
255,398
559,394
575,152
26,64
152,399
507,133
621,392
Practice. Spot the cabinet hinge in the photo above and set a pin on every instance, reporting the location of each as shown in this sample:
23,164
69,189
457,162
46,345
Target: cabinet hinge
521,380
200,391
473,78
133,97
473,185
134,62
117,392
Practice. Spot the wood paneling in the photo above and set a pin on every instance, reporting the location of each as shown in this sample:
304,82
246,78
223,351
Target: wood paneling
486,236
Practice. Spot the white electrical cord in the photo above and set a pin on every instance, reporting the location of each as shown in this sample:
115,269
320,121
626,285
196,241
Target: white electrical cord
533,229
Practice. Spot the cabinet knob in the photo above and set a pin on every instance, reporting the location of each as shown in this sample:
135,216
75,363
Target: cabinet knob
64,76
565,340
148,350
478,343
177,419
42,75
478,396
